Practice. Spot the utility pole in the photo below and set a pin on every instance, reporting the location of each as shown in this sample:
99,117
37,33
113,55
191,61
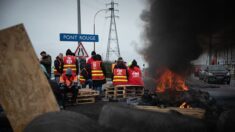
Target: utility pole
79,26
113,45
79,17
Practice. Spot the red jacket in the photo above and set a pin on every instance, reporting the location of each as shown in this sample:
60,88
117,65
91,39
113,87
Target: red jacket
70,62
135,76
90,60
96,71
119,76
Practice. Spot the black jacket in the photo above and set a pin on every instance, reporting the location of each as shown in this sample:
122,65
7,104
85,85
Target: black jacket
86,73
46,62
59,65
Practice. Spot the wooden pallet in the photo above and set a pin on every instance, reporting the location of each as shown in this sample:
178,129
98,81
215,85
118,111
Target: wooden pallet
86,96
124,91
109,92
87,91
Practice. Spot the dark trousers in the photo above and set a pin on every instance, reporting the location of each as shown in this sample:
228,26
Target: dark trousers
56,90
98,87
89,83
73,90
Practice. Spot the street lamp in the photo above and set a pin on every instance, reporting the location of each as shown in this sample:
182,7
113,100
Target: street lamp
94,20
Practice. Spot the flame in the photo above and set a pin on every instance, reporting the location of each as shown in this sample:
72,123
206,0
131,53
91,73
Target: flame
185,105
170,80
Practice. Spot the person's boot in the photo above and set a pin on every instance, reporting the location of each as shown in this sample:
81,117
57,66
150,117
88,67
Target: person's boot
74,101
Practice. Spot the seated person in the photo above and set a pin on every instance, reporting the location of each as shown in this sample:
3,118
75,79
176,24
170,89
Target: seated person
69,83
135,75
55,87
120,74
85,76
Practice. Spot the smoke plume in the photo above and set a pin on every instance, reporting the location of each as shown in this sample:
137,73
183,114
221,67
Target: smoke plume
179,31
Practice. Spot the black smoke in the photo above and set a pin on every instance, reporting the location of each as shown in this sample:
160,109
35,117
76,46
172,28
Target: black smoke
179,31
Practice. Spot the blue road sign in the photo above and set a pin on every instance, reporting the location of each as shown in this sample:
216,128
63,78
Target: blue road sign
79,37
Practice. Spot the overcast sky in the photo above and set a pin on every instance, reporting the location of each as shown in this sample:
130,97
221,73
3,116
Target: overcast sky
45,19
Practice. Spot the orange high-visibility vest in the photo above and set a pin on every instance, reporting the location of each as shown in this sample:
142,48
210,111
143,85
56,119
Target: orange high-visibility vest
96,71
113,65
56,72
70,62
68,81
119,77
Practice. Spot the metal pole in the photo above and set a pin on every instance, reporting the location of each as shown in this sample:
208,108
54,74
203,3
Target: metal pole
94,34
79,29
94,21
79,17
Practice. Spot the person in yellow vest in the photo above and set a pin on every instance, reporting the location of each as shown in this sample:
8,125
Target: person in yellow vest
120,74
98,73
113,65
70,61
85,76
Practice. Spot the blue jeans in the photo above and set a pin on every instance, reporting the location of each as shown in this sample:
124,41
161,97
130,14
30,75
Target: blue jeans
89,82
57,79
98,87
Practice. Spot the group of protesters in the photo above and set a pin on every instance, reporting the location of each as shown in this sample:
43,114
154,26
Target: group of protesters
68,70
123,74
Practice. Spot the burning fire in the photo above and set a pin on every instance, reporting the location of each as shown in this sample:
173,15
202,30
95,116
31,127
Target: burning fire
172,81
184,105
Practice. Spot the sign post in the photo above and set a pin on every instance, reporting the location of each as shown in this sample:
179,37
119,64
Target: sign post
81,51
79,37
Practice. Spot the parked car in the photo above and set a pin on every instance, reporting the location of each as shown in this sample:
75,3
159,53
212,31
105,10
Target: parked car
217,74
202,72
196,70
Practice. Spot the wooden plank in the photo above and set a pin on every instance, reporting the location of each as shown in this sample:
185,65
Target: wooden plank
192,112
25,92
86,100
85,96
109,91
109,88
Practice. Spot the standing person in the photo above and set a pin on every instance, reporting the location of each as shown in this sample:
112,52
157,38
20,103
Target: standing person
82,62
98,73
91,59
46,62
70,61
113,65
135,75
120,74
58,67
85,76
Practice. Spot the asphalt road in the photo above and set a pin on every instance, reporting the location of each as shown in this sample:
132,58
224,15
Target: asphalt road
223,93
